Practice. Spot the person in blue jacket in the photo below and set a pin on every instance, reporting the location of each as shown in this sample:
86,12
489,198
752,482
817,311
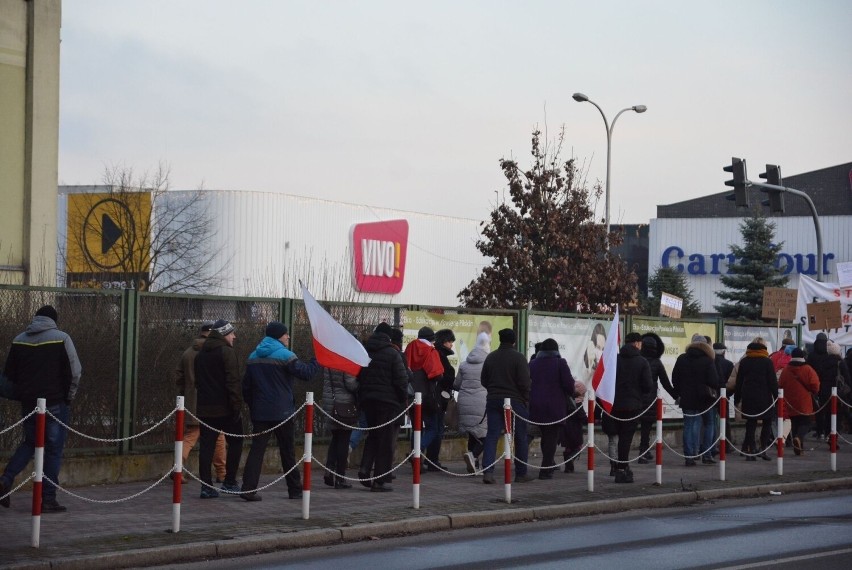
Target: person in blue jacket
268,390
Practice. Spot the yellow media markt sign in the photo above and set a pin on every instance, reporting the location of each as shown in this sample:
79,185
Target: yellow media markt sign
108,233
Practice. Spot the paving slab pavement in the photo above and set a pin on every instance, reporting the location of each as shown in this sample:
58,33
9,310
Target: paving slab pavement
115,532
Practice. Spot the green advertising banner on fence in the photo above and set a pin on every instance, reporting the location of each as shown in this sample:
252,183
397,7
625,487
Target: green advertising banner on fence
465,327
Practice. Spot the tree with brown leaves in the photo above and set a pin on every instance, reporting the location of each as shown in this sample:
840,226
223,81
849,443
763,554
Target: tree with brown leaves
548,252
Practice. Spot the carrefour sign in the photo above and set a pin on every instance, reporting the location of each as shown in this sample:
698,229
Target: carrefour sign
379,251
719,263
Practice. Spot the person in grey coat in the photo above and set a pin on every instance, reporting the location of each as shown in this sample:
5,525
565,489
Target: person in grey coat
471,400
340,387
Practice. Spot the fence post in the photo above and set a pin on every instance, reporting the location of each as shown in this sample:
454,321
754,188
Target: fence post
177,474
416,425
38,465
129,352
507,451
723,425
309,441
833,436
658,466
780,423
590,468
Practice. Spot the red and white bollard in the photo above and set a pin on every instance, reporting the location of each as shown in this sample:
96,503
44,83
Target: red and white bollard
309,442
723,425
658,466
416,425
779,442
507,451
590,467
38,464
833,437
177,474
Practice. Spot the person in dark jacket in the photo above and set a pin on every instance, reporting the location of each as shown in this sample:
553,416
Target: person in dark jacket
506,374
633,383
185,381
652,349
268,390
552,385
756,390
444,340
693,375
220,404
42,363
382,391
724,368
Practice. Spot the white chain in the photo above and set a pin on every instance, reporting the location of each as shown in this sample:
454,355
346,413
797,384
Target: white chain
559,421
374,477
111,501
741,452
24,482
771,406
19,422
249,492
111,440
634,418
247,435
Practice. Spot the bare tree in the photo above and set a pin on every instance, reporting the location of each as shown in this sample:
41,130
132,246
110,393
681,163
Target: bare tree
136,232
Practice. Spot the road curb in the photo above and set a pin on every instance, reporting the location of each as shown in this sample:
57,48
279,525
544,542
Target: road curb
404,526
482,518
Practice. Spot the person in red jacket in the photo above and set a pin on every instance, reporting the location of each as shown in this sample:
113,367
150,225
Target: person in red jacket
800,383
422,357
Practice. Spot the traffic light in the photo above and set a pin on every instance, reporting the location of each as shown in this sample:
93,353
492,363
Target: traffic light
740,182
776,197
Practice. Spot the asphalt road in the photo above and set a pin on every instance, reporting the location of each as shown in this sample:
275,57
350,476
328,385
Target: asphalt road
797,531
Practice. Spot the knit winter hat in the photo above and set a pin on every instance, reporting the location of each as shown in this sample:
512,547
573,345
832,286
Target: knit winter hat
549,344
798,355
383,327
507,336
49,312
483,340
276,330
698,338
223,327
649,342
444,335
426,333
634,337
832,348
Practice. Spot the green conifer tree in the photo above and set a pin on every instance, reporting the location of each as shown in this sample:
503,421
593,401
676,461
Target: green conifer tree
670,280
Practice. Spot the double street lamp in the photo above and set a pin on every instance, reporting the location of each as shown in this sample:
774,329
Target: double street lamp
580,98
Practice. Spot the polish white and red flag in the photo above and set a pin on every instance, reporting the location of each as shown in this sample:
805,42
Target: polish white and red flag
334,346
603,382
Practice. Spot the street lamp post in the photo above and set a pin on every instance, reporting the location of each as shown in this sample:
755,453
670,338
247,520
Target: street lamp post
580,98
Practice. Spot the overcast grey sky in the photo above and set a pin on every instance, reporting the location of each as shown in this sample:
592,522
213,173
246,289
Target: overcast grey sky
411,104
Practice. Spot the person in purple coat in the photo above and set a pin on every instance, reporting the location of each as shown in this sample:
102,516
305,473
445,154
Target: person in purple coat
552,387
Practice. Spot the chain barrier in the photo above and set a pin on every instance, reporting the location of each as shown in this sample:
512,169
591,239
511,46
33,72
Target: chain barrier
699,455
405,460
221,490
107,439
368,428
111,501
556,465
757,453
24,482
634,418
19,422
559,421
246,435
760,414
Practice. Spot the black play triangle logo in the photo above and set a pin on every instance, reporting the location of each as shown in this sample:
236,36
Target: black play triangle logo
110,233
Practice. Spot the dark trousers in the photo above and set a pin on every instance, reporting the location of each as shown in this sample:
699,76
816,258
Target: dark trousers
549,437
285,436
338,450
378,450
625,431
54,443
208,438
823,420
799,426
645,427
765,433
475,445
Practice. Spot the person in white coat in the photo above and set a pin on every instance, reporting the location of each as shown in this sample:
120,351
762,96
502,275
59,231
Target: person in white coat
471,401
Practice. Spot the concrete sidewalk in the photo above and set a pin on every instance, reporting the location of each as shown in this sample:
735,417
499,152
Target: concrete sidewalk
137,532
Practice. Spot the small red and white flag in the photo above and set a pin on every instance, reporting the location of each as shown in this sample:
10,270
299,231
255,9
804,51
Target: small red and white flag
603,382
334,346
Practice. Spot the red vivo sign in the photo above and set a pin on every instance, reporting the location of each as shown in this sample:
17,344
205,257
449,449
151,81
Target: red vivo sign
379,251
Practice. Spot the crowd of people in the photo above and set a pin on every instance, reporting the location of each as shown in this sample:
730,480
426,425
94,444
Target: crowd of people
546,400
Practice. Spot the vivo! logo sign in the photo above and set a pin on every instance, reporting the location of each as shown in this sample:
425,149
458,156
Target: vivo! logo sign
379,251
